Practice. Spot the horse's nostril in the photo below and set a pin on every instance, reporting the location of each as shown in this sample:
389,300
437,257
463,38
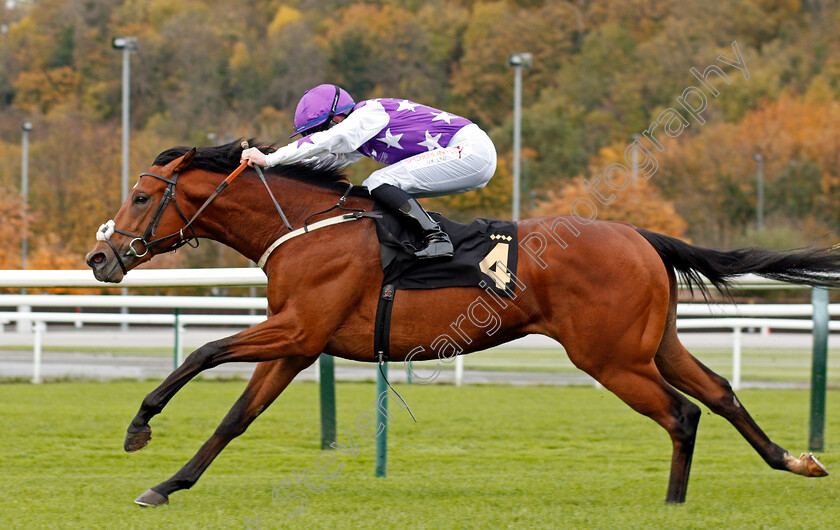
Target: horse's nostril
96,259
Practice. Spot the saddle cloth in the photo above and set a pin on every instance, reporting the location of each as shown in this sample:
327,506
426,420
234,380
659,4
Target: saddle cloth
485,255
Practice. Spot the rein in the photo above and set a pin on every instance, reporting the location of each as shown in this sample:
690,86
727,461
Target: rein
107,229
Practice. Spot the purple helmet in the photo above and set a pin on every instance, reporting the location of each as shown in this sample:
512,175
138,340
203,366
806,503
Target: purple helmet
319,105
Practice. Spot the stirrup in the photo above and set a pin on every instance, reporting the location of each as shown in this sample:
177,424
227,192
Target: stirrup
438,245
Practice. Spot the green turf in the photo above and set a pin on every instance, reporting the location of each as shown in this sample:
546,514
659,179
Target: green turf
480,457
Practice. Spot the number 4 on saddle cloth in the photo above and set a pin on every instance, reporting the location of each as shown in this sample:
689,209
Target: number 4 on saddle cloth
485,257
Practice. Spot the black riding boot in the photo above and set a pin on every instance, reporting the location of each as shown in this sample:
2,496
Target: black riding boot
436,243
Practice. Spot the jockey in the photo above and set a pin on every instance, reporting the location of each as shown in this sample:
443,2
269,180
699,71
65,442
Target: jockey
428,152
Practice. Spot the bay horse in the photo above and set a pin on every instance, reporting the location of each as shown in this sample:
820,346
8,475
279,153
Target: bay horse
608,295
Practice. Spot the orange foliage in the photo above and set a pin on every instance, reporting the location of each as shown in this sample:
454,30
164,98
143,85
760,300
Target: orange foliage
640,204
602,71
10,229
712,176
43,89
46,251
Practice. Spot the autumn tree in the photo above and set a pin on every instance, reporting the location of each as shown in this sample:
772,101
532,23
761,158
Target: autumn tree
640,204
712,176
11,229
209,71
388,51
483,82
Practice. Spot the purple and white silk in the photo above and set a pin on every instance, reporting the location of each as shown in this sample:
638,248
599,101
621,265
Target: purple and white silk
466,164
427,151
412,129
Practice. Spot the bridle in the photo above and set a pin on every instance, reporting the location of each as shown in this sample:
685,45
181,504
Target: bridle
107,230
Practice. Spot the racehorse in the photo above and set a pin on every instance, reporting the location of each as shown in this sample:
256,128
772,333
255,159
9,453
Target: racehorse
607,293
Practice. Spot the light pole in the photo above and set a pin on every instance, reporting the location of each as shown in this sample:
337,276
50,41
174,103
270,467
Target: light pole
127,45
24,326
518,61
760,213
25,127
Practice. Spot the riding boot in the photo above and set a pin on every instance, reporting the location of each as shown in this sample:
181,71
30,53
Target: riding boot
436,242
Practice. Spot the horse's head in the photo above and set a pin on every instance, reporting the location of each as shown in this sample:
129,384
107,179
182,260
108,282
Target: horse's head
145,225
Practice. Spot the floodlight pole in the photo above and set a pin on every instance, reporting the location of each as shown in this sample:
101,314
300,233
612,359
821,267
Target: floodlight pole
24,190
127,45
518,61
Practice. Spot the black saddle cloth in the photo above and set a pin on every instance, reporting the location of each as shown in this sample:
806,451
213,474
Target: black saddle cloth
485,255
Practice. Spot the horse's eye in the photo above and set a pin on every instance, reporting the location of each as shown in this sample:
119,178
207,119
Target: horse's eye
141,199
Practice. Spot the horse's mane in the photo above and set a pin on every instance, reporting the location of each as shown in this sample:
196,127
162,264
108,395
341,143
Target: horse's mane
225,158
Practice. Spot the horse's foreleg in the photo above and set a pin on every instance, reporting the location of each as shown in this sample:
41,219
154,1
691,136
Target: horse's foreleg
270,378
266,341
139,432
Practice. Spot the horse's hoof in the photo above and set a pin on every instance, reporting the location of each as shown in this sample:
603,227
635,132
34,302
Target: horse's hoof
813,467
151,498
137,440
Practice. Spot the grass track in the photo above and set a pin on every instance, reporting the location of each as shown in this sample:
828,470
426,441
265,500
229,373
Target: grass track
481,456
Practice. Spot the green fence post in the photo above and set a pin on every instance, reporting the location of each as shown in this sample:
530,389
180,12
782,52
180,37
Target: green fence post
327,373
382,419
819,361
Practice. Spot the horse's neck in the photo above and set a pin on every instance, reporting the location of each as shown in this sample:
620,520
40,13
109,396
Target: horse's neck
249,222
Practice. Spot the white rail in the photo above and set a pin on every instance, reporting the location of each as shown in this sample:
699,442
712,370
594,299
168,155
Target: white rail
39,320
133,301
728,316
737,325
222,277
247,276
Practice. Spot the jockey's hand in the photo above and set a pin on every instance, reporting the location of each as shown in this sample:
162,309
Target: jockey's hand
253,156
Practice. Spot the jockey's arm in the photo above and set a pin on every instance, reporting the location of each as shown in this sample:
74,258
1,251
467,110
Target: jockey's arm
343,138
333,160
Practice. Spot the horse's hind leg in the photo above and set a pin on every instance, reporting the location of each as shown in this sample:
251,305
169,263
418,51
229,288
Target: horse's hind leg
269,379
646,392
686,373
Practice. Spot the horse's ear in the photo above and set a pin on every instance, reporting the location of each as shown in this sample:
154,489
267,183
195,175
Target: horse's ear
185,161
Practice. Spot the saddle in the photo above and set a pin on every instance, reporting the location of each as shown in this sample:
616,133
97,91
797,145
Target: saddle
485,256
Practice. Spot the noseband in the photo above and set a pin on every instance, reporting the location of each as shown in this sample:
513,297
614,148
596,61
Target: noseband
107,230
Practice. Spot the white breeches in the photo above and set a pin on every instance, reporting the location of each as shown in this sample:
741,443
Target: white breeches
466,164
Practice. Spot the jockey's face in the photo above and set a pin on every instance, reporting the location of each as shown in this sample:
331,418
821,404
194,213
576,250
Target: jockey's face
335,121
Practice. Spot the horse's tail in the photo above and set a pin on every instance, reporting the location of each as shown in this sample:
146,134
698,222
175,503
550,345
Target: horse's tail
808,266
